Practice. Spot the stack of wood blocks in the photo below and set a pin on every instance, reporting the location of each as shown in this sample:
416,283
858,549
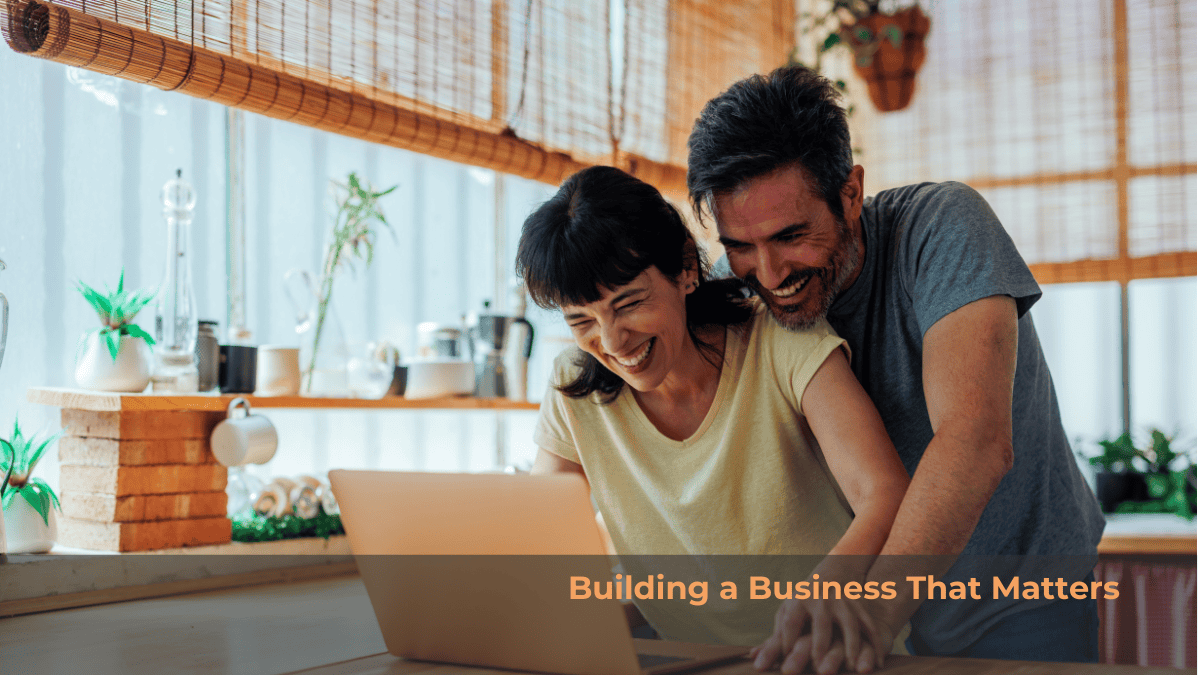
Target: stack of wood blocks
140,480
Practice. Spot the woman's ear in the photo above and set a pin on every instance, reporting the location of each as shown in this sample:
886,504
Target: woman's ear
690,278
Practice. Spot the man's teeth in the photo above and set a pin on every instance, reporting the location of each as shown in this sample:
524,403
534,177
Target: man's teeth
637,360
789,291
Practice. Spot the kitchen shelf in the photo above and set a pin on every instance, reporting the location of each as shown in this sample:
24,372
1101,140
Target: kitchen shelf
104,401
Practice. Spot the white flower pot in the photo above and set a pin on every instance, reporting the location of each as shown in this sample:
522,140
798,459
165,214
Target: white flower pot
95,368
25,529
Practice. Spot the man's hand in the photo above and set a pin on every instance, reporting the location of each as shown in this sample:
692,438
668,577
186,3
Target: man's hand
834,640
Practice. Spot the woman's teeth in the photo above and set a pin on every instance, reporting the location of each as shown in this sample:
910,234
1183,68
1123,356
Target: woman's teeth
789,291
636,360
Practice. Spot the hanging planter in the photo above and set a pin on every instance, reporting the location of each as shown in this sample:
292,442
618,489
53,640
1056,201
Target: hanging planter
889,49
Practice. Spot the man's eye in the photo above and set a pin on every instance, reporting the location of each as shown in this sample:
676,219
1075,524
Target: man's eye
788,238
631,305
580,325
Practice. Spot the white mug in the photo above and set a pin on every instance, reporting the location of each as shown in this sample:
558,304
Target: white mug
278,371
247,439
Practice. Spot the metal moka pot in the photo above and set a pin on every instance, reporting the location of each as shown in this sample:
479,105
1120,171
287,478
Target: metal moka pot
487,333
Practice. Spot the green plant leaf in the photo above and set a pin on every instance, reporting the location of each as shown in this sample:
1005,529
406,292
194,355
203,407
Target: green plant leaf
38,499
113,339
863,35
1158,485
37,454
46,488
893,35
830,42
121,282
137,332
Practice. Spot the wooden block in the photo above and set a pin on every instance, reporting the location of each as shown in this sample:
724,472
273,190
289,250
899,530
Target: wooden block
83,451
135,508
160,479
140,424
144,536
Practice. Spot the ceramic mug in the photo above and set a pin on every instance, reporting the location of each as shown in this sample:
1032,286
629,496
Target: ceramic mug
236,370
278,371
245,438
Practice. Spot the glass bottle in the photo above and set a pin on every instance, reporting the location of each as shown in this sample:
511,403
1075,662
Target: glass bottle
175,325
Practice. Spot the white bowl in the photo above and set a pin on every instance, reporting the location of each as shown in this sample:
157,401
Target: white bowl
435,378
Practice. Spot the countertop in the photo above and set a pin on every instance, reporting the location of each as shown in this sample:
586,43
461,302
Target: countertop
322,627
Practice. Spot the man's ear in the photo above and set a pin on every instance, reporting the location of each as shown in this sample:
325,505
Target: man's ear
852,194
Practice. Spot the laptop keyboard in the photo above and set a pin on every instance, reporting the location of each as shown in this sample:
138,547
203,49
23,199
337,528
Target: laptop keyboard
653,660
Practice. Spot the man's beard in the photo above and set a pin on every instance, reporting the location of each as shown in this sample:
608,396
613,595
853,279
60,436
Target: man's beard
829,279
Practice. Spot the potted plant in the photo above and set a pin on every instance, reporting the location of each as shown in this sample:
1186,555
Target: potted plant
1169,481
888,44
29,521
116,356
324,357
1116,478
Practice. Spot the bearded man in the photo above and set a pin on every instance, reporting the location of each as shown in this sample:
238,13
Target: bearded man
933,298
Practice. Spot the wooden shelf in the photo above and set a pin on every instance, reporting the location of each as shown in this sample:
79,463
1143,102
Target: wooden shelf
104,401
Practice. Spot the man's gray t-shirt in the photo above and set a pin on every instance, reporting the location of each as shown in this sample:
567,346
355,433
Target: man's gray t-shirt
930,249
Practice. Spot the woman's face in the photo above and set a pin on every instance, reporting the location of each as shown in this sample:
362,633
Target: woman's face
638,330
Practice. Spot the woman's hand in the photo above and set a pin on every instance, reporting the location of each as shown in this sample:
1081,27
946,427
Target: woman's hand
826,636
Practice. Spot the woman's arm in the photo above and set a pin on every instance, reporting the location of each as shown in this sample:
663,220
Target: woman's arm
865,464
548,462
859,453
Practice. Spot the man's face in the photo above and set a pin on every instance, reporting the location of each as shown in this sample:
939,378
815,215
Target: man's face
782,240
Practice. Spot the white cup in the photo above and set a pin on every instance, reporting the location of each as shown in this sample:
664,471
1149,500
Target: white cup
248,439
278,371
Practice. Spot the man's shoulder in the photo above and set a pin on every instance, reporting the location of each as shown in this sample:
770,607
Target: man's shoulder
928,199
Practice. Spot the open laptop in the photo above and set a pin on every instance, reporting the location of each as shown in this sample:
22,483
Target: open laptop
475,569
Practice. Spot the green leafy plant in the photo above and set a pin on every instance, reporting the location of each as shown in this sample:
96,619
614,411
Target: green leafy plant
1116,455
357,212
117,311
27,451
1171,490
841,25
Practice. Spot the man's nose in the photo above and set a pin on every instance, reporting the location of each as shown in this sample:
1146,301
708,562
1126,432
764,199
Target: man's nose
770,270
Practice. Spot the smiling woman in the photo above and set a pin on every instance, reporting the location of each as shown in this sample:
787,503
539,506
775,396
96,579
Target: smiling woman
693,414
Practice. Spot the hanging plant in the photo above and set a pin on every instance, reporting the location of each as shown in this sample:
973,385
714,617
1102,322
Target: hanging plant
888,45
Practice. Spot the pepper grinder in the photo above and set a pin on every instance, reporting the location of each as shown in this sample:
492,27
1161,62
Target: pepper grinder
175,327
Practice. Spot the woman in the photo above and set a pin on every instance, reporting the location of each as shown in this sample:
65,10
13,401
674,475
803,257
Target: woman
689,411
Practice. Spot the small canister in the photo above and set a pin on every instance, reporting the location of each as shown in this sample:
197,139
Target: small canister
208,355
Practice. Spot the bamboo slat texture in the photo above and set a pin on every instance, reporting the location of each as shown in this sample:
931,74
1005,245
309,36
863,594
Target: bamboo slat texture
522,88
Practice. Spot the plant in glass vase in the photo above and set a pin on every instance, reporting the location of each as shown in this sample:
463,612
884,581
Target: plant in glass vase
356,218
115,356
29,521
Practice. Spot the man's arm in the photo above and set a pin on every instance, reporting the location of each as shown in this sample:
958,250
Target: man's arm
968,365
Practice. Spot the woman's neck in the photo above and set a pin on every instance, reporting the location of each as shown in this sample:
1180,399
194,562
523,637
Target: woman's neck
681,402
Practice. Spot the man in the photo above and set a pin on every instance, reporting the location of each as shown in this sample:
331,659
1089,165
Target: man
929,291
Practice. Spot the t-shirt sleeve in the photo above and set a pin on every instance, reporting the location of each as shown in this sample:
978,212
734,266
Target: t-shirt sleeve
553,431
953,251
797,355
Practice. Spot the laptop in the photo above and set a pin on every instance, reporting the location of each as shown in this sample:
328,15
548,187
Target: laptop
474,569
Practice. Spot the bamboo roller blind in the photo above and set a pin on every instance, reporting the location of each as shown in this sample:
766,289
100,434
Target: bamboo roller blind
520,86
1076,119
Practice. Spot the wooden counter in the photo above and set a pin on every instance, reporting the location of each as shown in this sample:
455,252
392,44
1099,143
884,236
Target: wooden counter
1148,534
104,401
323,627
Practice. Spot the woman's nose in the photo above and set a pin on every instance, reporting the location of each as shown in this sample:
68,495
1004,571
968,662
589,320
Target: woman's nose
612,337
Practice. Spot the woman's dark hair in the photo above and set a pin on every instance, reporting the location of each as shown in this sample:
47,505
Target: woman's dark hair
600,231
761,124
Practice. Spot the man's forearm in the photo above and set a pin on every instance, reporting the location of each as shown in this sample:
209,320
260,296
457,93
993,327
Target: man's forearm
948,493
